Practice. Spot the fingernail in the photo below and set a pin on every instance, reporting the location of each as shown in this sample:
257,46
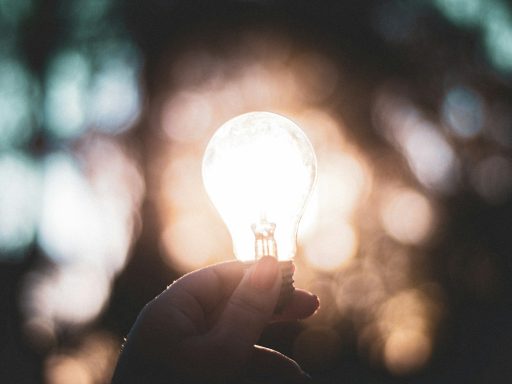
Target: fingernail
317,304
264,273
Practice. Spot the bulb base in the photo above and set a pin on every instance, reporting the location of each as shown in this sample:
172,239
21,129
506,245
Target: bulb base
287,287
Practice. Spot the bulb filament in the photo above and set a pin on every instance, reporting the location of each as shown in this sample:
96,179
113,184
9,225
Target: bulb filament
264,244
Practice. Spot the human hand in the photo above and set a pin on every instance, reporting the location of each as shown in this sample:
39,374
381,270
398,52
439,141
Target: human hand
203,328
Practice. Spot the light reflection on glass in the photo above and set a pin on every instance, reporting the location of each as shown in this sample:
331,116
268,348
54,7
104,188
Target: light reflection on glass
19,201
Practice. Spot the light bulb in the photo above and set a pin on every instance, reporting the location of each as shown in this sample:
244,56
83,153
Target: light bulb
259,169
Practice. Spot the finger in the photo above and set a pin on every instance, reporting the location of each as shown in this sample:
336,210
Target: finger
267,365
208,286
179,311
302,304
249,309
198,293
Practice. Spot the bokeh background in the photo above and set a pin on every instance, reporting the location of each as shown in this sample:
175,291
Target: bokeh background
105,110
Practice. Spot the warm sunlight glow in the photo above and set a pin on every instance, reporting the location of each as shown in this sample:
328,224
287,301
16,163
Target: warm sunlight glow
195,240
406,351
406,321
407,216
62,370
342,182
331,246
354,240
187,116
92,361
266,75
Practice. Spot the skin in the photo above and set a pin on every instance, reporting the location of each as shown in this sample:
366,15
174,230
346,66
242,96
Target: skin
204,328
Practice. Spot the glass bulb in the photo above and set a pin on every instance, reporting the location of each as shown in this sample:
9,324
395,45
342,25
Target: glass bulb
259,169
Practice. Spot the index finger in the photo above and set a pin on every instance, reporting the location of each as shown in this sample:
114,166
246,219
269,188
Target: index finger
206,288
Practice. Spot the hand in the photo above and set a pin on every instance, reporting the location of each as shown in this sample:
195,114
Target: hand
203,328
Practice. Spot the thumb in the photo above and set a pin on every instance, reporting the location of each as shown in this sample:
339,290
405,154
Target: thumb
249,308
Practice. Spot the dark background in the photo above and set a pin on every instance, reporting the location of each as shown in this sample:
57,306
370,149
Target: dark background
451,60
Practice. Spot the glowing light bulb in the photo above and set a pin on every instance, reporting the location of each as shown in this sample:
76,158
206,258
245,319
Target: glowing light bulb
259,169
